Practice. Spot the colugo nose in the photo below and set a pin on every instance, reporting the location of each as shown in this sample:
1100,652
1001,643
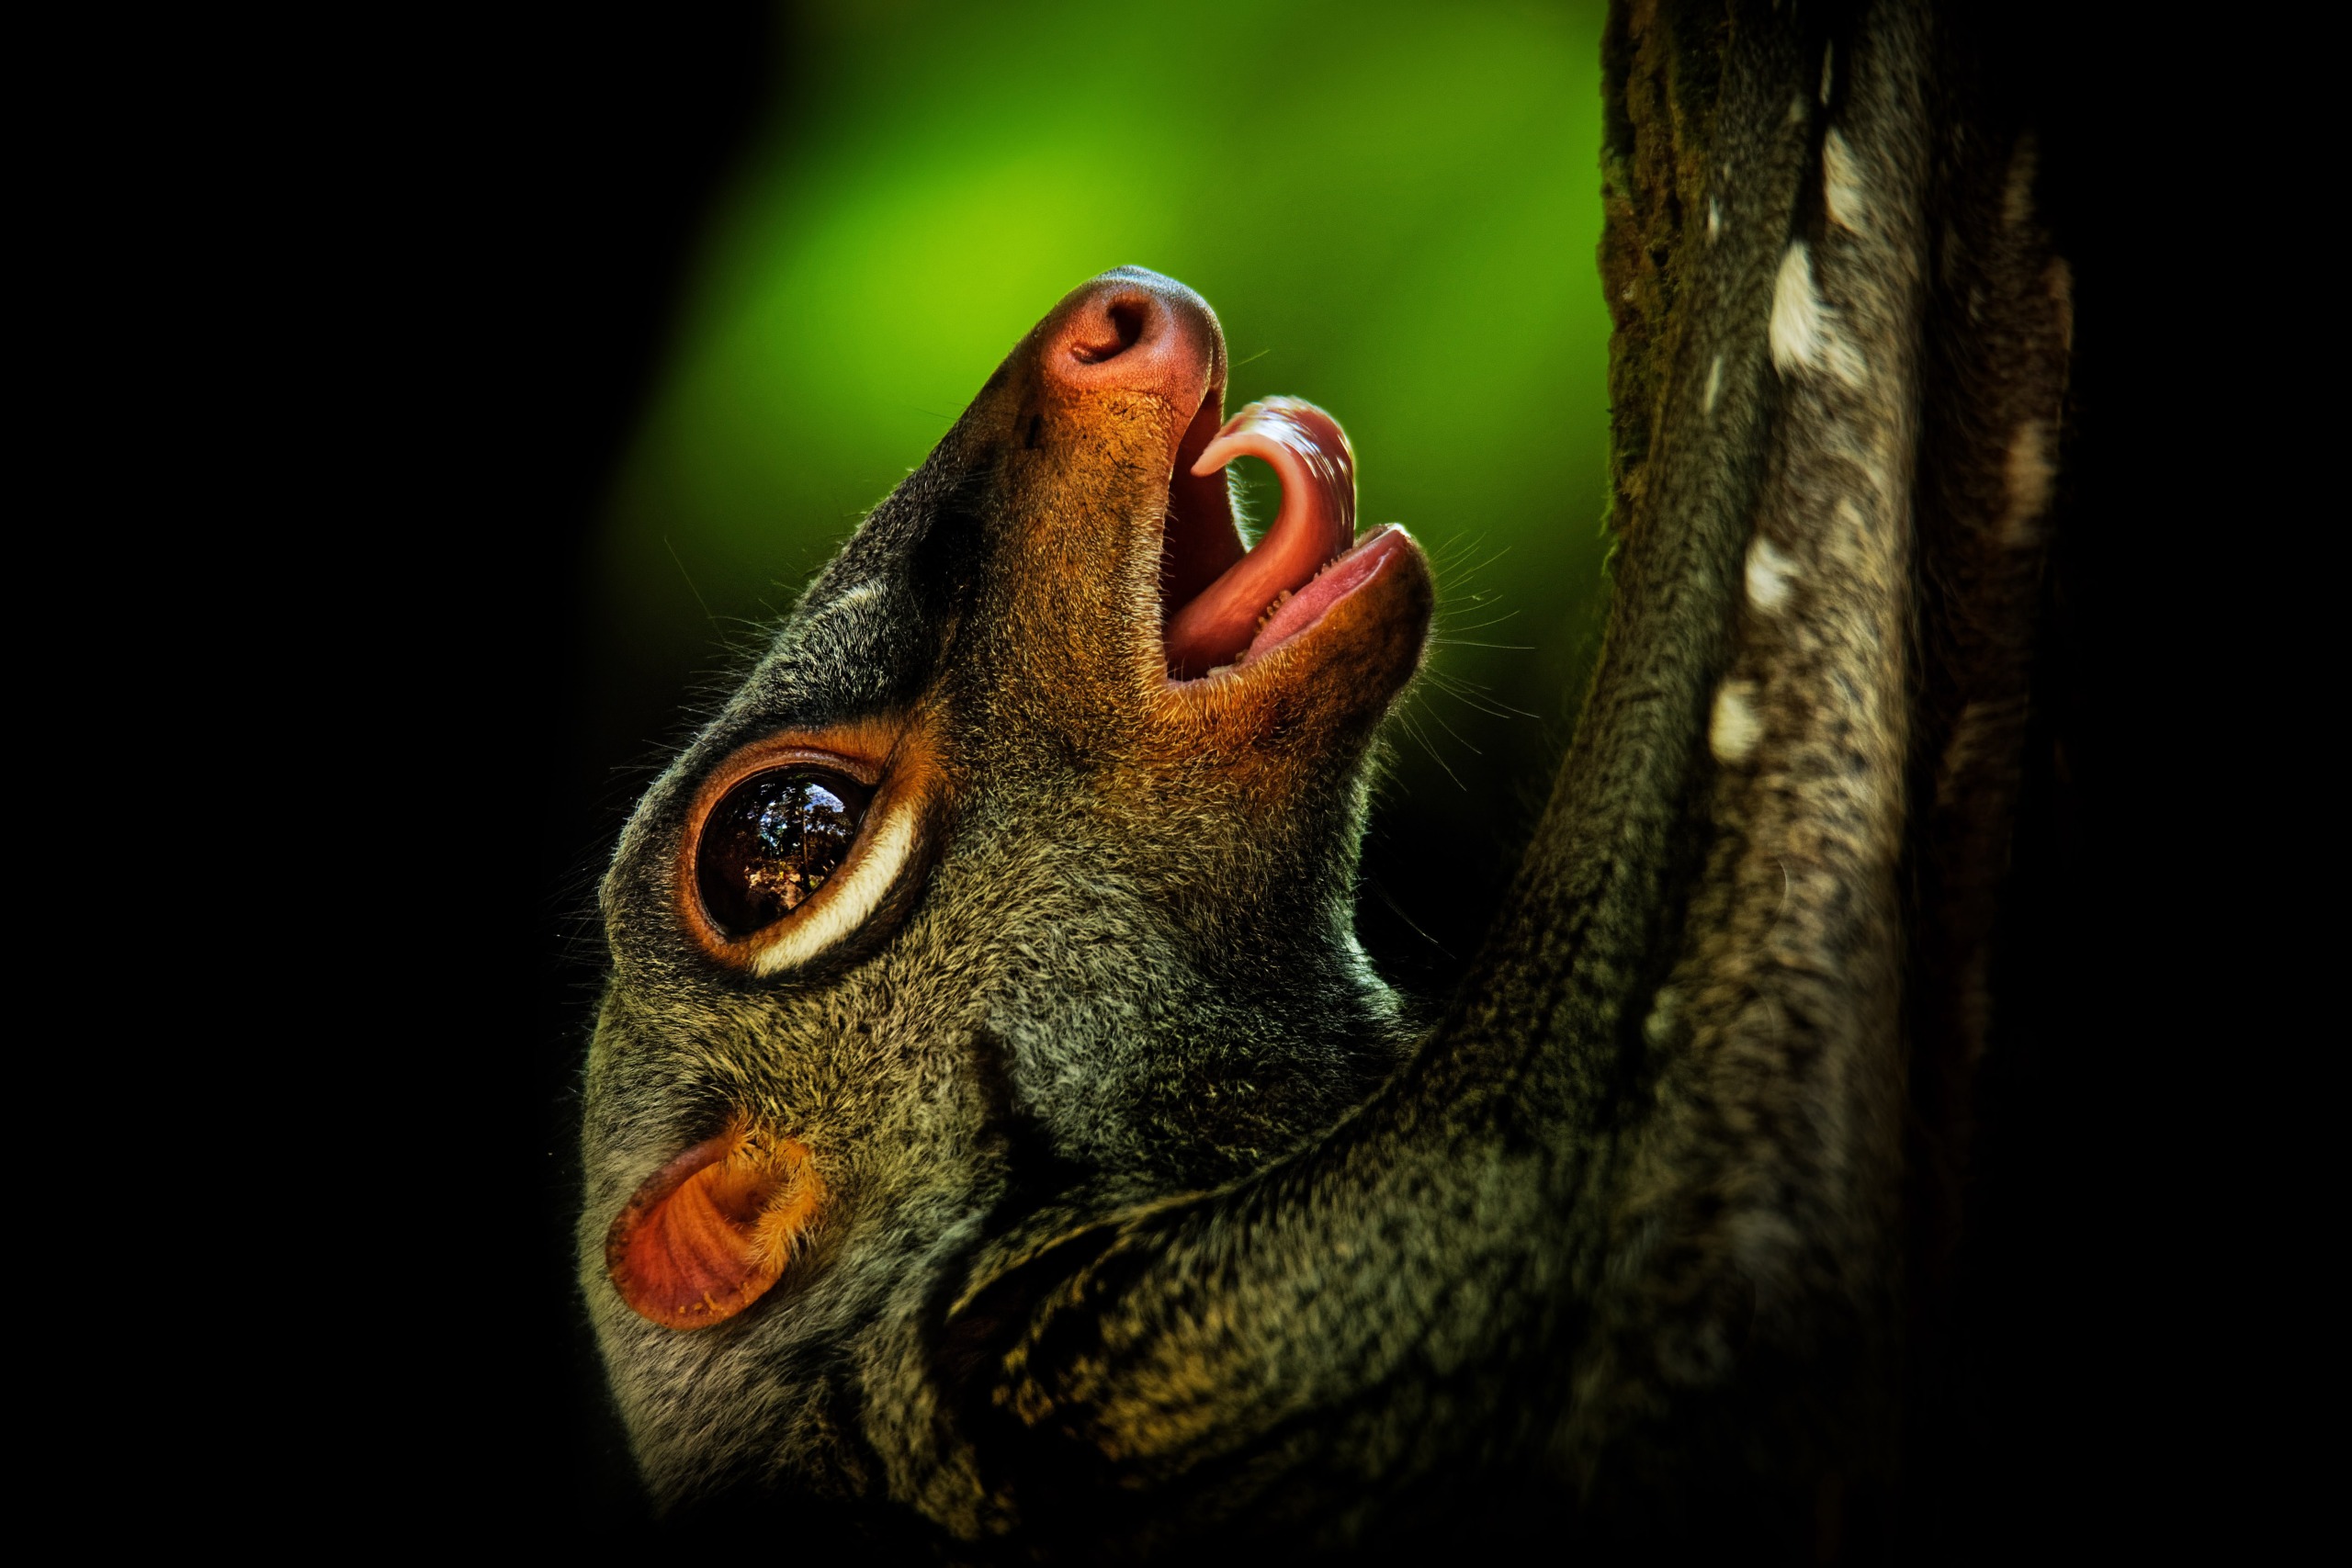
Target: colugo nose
1132,330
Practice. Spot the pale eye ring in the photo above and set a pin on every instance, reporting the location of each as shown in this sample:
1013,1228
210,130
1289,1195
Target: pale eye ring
772,842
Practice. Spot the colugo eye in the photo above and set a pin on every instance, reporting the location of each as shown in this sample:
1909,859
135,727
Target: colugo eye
772,842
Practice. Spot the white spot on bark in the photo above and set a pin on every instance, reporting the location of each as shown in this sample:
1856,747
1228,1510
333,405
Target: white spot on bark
1828,53
1765,1244
1735,729
2017,196
1805,330
1796,109
1658,1028
1964,753
1769,572
1853,524
1714,218
1841,184
1715,385
2029,474
1796,311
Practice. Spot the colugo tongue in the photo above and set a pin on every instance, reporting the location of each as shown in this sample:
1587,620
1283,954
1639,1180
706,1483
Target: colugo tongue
1309,452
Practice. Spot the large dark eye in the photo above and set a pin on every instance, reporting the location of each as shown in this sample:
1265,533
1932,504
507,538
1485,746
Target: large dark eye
771,843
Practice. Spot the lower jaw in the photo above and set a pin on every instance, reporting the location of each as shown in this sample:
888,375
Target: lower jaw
1300,610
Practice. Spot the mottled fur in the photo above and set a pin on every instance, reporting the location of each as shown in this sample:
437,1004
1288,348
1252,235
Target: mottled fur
1150,1224
1131,966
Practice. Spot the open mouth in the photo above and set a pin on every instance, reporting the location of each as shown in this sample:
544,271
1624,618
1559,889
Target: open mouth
1225,604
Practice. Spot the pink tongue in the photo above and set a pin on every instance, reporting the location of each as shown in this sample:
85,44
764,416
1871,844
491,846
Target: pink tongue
1310,455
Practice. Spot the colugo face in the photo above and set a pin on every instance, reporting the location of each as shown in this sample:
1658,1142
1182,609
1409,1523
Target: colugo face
1025,856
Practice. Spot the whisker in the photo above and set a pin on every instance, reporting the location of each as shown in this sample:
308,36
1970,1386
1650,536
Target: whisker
1397,909
1414,729
1457,735
690,580
1482,626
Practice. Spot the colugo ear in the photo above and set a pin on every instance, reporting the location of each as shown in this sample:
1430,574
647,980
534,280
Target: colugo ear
710,1232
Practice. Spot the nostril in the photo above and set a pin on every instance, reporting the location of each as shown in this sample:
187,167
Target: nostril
1131,330
1115,332
1127,319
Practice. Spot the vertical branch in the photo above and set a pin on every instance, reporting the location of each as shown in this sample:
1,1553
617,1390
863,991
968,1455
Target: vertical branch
1997,360
1998,351
1651,1165
1754,1220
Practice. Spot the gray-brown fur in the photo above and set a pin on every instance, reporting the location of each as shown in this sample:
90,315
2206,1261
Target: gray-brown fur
1139,989
1143,1234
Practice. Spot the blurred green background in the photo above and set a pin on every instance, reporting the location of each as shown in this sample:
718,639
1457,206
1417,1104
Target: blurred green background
1393,209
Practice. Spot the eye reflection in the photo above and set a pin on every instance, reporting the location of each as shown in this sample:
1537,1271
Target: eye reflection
772,843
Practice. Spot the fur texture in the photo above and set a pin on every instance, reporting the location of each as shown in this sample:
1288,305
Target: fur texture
1151,1224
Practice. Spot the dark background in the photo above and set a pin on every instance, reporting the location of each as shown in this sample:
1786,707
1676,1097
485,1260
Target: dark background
474,267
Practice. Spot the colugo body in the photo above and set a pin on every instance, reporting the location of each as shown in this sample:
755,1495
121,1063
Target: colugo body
994,1131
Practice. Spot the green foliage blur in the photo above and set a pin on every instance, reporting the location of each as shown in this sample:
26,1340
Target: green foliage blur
1393,209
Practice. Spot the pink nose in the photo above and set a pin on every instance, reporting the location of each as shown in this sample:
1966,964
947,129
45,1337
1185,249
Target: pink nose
1134,330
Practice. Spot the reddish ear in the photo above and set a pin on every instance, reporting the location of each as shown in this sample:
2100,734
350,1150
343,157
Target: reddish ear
710,1231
